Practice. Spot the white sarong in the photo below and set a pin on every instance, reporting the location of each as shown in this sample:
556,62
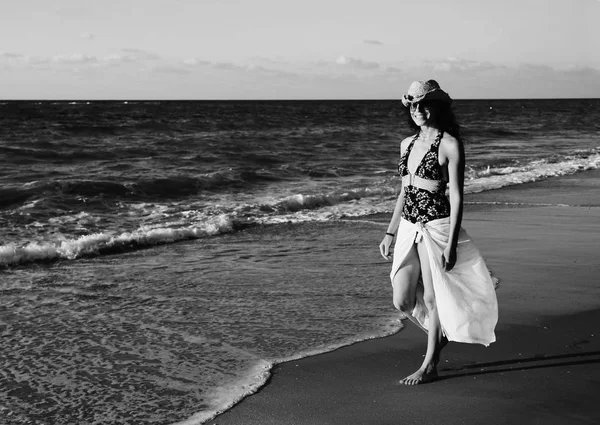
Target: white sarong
465,296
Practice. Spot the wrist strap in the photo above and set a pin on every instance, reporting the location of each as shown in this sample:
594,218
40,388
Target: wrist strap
390,234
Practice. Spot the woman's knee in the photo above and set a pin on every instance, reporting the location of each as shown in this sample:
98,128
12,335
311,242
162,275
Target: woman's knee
429,300
404,305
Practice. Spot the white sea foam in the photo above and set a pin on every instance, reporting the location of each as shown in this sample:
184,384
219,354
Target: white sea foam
94,243
495,178
310,201
228,395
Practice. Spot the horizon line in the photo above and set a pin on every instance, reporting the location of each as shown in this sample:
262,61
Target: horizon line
275,99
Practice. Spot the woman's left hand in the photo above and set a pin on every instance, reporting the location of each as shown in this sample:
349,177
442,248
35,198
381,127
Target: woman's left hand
448,258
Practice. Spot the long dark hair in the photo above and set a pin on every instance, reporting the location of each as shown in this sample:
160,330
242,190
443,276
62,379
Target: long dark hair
445,119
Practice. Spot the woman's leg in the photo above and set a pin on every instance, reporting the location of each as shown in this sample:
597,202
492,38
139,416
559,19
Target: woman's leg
404,285
435,341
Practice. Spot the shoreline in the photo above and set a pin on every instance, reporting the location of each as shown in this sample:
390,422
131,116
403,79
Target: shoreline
310,390
498,385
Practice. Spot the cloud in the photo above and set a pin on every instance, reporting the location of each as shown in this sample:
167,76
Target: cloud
253,69
269,61
18,58
228,66
271,72
356,63
582,70
537,67
139,54
195,62
128,56
9,55
166,69
87,35
123,57
393,69
116,59
74,58
451,63
37,60
373,42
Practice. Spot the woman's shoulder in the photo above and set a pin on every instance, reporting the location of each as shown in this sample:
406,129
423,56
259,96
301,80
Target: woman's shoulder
450,142
450,146
405,142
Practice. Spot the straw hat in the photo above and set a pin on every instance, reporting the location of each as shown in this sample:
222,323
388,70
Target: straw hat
424,90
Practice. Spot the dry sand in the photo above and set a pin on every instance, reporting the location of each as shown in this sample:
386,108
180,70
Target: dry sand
544,367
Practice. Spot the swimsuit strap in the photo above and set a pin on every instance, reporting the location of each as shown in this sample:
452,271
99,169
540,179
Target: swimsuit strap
438,139
410,146
404,158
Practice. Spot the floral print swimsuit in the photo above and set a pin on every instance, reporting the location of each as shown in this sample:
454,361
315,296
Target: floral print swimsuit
422,205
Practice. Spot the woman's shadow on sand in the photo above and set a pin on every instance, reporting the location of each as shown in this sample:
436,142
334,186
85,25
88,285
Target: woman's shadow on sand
535,362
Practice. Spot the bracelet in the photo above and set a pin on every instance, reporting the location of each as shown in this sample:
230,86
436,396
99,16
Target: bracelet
390,234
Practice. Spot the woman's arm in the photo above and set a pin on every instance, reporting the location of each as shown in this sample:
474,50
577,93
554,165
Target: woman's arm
384,246
454,152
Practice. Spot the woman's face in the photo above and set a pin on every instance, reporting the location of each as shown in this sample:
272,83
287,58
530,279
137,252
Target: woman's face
422,112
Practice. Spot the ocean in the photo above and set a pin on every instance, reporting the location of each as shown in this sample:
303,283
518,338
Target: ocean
159,257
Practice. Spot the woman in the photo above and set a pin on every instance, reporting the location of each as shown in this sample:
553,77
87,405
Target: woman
439,279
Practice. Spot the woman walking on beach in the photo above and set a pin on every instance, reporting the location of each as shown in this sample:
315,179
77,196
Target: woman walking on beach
439,279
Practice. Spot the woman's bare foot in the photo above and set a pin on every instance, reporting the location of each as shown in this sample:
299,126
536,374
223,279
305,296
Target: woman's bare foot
421,376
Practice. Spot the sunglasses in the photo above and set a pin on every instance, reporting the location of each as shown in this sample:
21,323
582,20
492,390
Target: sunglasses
425,106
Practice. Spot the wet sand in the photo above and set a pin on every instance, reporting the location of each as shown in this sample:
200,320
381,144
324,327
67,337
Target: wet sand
541,240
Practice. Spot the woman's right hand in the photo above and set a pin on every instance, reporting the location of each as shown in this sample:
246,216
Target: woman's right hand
385,247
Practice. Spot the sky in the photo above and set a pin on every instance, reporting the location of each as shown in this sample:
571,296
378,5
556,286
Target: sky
297,49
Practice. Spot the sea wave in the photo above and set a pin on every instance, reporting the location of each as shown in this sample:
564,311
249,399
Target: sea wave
496,177
161,222
169,187
186,183
104,243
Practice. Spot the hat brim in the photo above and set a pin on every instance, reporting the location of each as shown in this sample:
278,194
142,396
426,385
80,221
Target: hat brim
437,94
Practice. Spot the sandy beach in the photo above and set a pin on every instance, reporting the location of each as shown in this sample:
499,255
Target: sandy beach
545,366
